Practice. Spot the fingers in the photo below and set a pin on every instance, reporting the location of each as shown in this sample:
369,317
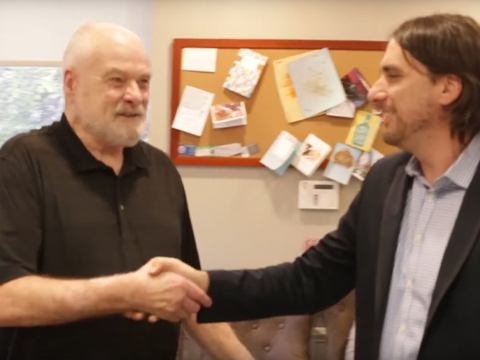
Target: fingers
152,319
167,296
196,294
190,306
134,315
155,267
158,265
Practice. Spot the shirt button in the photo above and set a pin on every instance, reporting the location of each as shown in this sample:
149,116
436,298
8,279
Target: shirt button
122,207
402,328
267,348
408,284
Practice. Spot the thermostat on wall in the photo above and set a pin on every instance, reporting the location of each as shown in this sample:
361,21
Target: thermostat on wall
318,195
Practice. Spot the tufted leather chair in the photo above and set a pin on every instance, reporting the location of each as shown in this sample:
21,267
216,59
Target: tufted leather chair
321,336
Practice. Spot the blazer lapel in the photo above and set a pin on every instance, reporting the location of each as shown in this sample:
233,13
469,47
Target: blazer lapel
464,234
394,206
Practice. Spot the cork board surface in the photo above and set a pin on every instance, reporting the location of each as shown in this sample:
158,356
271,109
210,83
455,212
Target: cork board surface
266,116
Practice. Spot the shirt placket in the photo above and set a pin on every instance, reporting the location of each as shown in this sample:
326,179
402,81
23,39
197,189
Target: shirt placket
407,329
129,248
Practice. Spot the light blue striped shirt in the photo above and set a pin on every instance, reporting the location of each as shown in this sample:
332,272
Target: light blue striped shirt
430,214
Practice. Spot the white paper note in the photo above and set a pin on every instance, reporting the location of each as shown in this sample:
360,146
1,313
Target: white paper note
193,110
199,59
345,109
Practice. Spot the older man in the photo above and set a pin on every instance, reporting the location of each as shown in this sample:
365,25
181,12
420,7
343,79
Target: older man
83,205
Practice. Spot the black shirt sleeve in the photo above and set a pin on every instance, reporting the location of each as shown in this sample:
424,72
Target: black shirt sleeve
189,247
20,216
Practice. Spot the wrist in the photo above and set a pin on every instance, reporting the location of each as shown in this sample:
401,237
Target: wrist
115,293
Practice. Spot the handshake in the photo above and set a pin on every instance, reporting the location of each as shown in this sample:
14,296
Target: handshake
166,288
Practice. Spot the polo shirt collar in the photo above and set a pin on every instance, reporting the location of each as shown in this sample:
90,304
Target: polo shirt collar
82,160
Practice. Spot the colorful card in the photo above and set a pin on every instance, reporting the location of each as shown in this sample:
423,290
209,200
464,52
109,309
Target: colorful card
316,82
365,162
245,73
341,164
279,155
186,150
228,115
310,155
286,91
356,87
363,131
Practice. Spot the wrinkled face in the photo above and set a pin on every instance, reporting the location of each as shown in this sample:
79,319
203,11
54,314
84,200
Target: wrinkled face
406,96
111,91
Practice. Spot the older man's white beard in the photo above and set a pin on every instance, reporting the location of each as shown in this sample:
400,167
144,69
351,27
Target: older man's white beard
125,136
117,133
122,134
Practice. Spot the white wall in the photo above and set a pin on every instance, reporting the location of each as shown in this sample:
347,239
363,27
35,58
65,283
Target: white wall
39,30
242,217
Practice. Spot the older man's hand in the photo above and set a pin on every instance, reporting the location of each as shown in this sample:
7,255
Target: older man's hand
164,294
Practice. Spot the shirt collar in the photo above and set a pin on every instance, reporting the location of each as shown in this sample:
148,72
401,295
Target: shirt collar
82,160
461,172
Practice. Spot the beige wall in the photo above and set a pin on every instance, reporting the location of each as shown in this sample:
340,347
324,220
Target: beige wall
248,217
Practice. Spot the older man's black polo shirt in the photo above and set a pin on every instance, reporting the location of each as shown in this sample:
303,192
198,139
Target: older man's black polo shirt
65,214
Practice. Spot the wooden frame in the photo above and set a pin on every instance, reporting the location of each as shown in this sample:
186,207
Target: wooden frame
260,45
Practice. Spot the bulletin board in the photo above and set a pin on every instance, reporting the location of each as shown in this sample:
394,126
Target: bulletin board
266,116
